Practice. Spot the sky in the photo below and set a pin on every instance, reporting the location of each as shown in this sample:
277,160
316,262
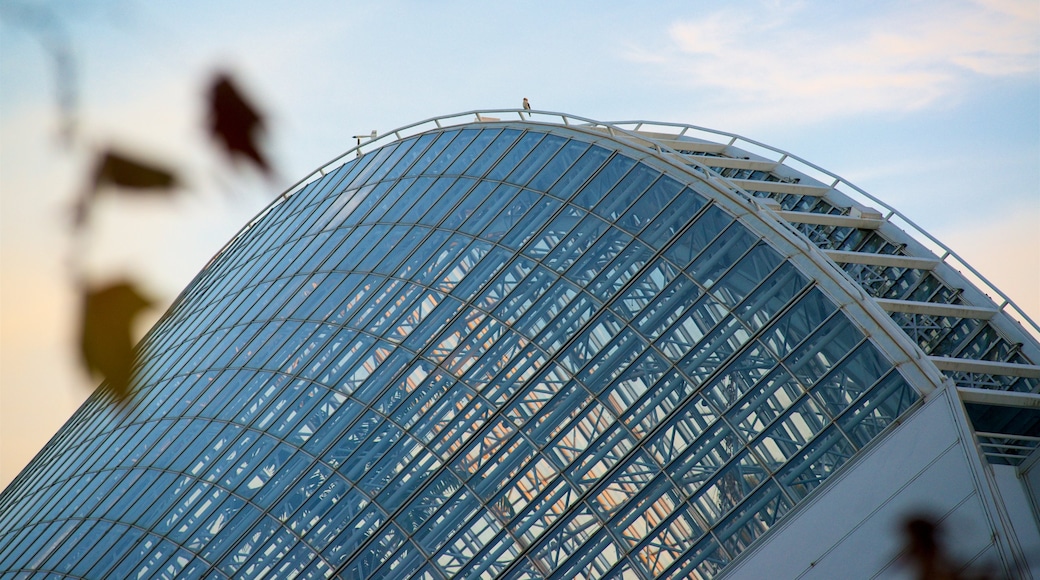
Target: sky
932,106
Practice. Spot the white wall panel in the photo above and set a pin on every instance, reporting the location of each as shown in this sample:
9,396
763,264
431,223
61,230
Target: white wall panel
853,529
1013,492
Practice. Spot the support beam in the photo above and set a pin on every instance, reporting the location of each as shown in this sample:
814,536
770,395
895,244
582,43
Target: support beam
781,187
729,162
999,398
985,367
936,309
826,219
690,146
889,260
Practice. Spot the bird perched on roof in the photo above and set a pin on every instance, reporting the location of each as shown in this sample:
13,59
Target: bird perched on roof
527,106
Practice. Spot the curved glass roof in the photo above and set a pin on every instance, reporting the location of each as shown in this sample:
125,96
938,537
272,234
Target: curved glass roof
502,349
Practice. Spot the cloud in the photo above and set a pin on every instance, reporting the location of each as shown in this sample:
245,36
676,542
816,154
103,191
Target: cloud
812,61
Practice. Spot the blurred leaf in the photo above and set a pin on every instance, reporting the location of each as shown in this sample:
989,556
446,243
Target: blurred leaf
106,344
234,122
117,169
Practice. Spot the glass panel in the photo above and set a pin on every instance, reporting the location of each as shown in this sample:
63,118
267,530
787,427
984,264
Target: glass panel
405,159
746,275
720,255
646,208
479,277
544,307
368,197
642,514
422,397
763,404
697,456
469,194
554,232
452,152
624,485
506,368
708,225
715,349
729,488
513,157
788,435
625,192
419,206
560,163
448,520
569,321
370,165
467,543
600,458
589,163
491,209
526,228
771,296
403,565
739,376
420,166
348,510
612,361
475,148
797,323
430,500
645,289
250,544
398,491
505,211
548,146
612,279
570,245
658,404
671,221
817,355
596,258
755,517
879,409
568,538
808,469
851,378
635,382
670,542
492,152
690,329
603,182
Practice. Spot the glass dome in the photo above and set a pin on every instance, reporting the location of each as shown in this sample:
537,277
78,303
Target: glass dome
498,349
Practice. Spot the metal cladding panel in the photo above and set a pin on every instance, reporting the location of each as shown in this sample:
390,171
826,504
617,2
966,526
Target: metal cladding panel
505,350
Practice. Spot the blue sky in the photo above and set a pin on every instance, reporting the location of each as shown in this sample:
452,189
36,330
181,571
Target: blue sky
932,106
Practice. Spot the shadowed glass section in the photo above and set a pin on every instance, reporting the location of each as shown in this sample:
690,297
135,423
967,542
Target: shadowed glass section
477,351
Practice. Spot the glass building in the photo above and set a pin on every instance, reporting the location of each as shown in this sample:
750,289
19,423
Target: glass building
512,344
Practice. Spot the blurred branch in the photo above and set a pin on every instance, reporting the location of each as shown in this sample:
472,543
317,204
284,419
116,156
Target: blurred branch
44,25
